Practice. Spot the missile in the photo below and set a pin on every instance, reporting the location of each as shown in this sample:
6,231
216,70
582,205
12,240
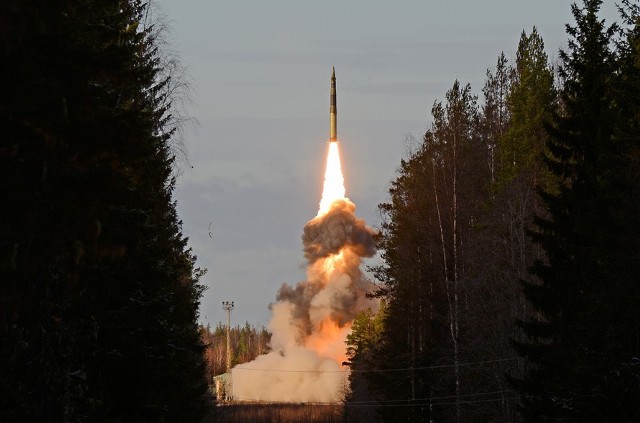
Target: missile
333,110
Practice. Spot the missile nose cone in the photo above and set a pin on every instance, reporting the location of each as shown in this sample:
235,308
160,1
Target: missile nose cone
333,72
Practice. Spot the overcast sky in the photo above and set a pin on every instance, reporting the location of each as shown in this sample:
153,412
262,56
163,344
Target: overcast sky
259,74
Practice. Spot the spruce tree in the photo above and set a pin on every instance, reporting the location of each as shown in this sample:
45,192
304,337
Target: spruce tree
99,292
579,346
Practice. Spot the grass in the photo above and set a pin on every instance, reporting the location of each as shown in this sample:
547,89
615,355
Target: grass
276,413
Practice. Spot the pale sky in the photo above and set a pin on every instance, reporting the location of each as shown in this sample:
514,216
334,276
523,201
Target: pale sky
259,74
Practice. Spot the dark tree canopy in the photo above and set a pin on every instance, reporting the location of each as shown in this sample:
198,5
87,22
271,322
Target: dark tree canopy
511,244
584,361
99,296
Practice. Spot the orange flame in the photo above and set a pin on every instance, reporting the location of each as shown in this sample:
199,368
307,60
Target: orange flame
328,340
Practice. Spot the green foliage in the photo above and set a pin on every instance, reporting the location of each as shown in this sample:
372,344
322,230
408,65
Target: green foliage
495,111
530,103
584,364
99,296
363,347
504,251
366,334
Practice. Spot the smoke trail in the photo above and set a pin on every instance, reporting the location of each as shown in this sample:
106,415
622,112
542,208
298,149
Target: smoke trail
310,321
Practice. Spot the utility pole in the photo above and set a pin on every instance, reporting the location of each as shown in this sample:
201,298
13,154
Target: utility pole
228,306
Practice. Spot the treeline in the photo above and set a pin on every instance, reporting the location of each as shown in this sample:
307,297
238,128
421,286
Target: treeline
98,291
511,245
247,342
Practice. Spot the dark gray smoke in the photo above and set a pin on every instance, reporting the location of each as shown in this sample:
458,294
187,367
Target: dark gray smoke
339,227
300,297
323,236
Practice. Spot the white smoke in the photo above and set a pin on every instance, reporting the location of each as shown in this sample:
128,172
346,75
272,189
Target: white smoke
311,320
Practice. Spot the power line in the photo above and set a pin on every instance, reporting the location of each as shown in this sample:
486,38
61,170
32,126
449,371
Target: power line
434,398
433,403
441,366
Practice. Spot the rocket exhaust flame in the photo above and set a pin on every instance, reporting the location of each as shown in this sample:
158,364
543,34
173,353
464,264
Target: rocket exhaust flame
311,320
333,180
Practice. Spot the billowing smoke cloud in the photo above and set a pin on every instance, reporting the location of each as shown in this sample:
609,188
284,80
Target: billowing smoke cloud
310,321
328,234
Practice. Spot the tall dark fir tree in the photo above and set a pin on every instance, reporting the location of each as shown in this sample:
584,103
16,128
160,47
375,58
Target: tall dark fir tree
581,345
98,292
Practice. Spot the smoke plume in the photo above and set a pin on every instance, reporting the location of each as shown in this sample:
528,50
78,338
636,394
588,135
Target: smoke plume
310,321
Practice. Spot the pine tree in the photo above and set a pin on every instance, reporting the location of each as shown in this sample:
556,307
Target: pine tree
530,100
424,241
502,250
495,111
579,348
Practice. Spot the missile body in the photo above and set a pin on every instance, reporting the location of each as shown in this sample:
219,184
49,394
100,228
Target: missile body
333,110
